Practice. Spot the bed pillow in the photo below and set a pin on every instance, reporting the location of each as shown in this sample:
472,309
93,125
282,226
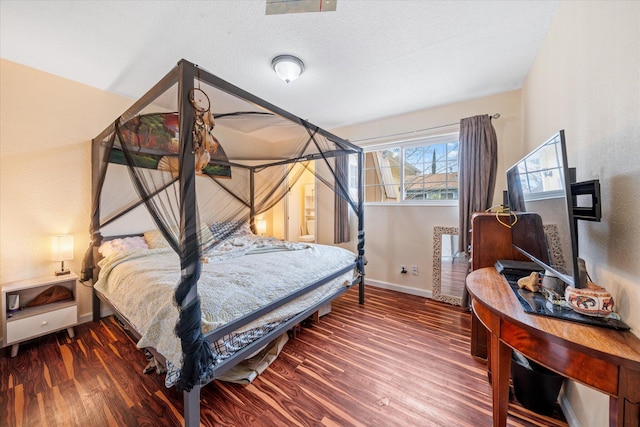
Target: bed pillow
224,229
116,245
156,240
206,237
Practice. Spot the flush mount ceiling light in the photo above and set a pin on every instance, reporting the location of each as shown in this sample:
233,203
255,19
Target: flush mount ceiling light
287,67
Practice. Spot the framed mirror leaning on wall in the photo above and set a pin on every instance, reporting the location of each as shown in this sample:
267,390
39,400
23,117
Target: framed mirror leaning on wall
449,267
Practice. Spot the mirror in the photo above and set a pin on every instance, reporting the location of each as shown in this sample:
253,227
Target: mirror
449,266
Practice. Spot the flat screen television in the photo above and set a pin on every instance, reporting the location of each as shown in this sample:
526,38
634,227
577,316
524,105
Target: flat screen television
540,183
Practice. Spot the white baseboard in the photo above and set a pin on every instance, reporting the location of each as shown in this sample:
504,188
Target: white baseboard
88,317
567,410
399,288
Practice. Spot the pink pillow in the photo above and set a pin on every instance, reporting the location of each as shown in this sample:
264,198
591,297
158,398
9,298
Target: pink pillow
116,245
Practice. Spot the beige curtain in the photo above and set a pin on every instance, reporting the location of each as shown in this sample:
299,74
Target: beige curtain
477,177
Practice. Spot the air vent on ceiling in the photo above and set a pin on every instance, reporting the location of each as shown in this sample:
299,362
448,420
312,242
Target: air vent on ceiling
280,7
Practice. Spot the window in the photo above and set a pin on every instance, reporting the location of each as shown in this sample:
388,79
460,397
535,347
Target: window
541,175
424,170
353,174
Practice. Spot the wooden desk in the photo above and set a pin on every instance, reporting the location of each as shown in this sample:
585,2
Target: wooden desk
601,358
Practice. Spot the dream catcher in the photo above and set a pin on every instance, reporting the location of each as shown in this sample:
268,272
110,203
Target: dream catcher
204,143
153,139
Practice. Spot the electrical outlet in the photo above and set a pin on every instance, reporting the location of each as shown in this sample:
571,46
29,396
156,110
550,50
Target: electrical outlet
414,270
403,269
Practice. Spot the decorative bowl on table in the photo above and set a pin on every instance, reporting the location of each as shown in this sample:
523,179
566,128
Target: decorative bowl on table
593,300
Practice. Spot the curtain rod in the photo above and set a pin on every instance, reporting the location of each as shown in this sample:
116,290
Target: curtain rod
495,116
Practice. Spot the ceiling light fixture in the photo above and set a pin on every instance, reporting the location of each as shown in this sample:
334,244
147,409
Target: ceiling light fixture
287,67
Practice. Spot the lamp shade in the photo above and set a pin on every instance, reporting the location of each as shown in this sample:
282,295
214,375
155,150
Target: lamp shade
287,67
261,226
61,247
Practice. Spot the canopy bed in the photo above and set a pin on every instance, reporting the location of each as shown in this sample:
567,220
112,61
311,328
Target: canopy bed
177,182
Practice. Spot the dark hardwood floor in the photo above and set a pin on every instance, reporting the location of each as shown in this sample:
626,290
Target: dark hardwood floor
397,360
453,271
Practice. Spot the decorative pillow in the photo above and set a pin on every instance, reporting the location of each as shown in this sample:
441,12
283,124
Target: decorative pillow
228,229
111,246
244,230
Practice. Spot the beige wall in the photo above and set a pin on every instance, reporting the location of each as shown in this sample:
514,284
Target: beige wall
397,235
46,125
585,80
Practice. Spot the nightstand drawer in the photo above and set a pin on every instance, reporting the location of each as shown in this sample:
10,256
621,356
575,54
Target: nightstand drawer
33,326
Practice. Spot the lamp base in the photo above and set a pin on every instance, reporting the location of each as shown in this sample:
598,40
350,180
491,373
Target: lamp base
62,272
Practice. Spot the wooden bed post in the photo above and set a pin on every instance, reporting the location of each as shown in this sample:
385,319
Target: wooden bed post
192,406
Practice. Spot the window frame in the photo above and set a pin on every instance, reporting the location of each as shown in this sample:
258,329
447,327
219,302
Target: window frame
423,141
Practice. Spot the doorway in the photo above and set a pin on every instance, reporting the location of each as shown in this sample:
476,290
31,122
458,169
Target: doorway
301,208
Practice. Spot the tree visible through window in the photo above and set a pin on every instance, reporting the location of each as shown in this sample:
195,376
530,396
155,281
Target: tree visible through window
425,170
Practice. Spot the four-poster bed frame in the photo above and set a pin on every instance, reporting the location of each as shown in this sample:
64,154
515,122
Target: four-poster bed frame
187,75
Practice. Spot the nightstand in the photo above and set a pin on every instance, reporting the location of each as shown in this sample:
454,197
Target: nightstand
31,322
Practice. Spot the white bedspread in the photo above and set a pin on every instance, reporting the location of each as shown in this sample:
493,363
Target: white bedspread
238,277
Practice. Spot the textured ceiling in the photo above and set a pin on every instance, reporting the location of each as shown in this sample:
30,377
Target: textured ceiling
367,60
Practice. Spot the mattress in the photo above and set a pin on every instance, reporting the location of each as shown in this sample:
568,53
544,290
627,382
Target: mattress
238,277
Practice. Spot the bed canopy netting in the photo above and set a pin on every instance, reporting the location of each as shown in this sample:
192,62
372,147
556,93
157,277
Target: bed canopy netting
191,153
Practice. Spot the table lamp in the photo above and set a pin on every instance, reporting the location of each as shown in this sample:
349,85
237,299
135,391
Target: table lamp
62,250
261,226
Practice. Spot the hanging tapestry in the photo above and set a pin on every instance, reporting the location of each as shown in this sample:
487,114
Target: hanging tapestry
152,140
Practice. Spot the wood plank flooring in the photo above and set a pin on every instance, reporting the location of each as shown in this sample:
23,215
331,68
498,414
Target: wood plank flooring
397,360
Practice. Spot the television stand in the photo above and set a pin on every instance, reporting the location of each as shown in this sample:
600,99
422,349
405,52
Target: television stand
607,360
